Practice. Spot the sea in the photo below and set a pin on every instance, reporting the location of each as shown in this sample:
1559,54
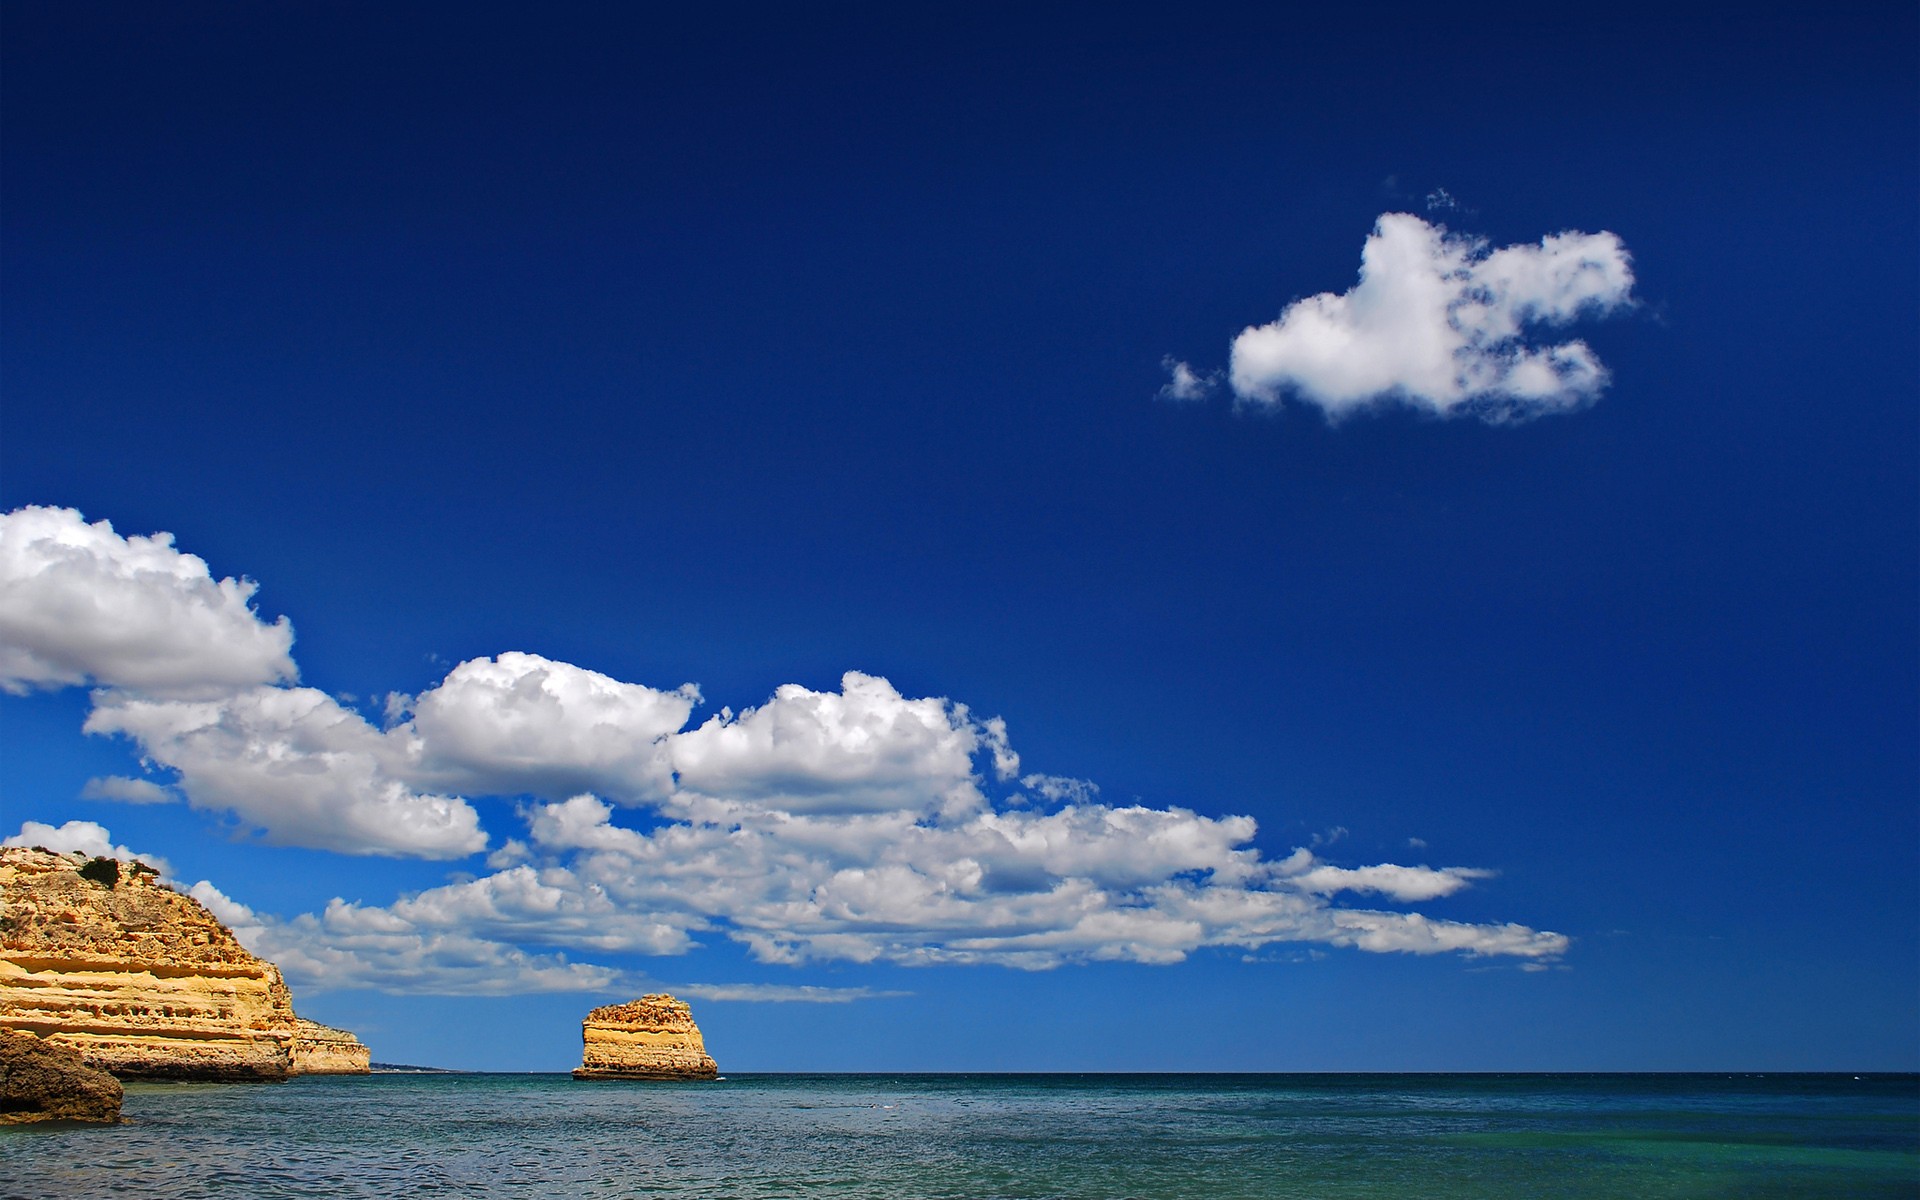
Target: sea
975,1137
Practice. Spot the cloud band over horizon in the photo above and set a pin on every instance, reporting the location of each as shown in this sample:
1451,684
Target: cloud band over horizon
856,825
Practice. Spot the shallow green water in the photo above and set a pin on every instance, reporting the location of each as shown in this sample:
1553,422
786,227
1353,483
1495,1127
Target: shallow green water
980,1136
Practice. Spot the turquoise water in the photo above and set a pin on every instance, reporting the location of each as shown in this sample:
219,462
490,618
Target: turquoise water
981,1136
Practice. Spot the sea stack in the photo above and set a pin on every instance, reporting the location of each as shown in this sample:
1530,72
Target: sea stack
653,1037
99,956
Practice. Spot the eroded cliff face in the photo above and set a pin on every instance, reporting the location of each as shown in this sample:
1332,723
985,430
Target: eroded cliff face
323,1050
141,980
653,1037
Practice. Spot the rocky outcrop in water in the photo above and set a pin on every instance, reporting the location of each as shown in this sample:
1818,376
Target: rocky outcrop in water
99,956
653,1037
40,1081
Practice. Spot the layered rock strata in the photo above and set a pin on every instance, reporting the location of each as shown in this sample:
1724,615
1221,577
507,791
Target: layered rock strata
653,1037
142,981
40,1081
323,1050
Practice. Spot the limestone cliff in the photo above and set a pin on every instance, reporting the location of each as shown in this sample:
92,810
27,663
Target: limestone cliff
141,980
653,1037
323,1050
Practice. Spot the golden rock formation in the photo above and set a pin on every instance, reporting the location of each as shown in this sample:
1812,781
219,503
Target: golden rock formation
653,1037
142,981
323,1050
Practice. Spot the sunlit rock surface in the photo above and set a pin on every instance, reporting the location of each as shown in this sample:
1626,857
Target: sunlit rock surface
99,956
323,1050
653,1037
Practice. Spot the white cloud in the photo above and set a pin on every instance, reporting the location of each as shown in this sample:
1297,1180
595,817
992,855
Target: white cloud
822,826
350,947
1014,887
549,905
1436,322
1184,383
296,765
304,770
853,825
511,853
122,790
240,920
80,837
1061,787
1011,886
1388,879
79,603
865,748
1413,933
523,723
780,993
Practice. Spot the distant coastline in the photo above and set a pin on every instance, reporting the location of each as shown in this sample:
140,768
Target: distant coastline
381,1068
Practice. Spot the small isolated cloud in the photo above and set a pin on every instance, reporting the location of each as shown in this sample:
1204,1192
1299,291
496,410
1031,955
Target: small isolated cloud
1057,788
1184,383
781,993
1285,956
1438,322
1388,879
81,604
122,790
1440,199
80,837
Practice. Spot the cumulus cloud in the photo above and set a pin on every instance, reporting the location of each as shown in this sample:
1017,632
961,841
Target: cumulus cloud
522,723
122,790
1437,322
865,748
80,837
295,764
81,604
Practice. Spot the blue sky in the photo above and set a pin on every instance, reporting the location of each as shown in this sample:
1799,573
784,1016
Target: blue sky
1507,660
